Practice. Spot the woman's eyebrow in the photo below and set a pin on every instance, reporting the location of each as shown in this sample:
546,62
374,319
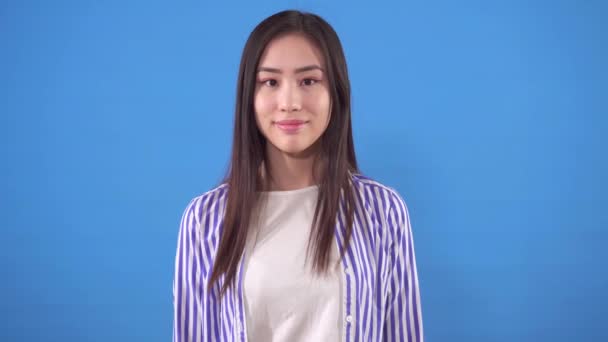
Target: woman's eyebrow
298,70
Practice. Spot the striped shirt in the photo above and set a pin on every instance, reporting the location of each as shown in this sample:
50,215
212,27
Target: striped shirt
381,294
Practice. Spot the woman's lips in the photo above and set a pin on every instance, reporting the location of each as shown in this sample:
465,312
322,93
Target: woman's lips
290,126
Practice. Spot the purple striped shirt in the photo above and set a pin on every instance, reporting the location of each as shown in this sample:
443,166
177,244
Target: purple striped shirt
381,294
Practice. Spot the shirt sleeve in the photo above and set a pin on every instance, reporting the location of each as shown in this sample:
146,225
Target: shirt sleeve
403,312
187,287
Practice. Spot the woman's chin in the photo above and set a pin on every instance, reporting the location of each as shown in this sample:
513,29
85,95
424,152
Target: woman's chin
298,151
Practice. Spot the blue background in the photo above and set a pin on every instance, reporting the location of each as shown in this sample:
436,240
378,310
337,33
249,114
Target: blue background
489,117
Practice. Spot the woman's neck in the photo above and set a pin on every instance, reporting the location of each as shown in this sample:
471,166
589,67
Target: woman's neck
283,171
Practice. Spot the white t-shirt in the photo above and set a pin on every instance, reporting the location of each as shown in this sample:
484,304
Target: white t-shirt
284,299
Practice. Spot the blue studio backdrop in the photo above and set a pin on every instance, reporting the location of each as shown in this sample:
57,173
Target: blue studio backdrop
489,117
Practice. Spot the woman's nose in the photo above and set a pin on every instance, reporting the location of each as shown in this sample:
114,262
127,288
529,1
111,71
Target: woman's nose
289,98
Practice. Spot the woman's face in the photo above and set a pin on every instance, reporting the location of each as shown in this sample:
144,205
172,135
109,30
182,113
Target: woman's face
292,102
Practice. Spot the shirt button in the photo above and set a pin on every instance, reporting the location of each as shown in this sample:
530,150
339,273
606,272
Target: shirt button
349,318
347,271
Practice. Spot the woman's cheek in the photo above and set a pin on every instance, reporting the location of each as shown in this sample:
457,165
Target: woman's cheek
261,109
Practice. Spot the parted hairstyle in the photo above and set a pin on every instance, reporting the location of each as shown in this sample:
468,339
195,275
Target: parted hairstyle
336,156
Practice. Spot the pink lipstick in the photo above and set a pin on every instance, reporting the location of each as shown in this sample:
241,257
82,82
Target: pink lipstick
290,126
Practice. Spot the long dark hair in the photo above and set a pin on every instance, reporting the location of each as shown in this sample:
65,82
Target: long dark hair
337,153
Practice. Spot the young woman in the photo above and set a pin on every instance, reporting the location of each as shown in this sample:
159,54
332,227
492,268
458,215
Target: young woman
295,244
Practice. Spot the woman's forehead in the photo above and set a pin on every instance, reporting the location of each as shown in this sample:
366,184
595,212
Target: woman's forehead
290,52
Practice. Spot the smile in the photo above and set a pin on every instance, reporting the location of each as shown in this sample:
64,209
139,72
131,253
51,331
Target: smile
290,126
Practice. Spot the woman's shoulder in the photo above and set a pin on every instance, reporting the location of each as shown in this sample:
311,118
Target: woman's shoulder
380,198
209,204
373,190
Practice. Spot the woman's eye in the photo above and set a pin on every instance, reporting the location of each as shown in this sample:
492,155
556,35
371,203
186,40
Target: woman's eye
270,83
309,81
